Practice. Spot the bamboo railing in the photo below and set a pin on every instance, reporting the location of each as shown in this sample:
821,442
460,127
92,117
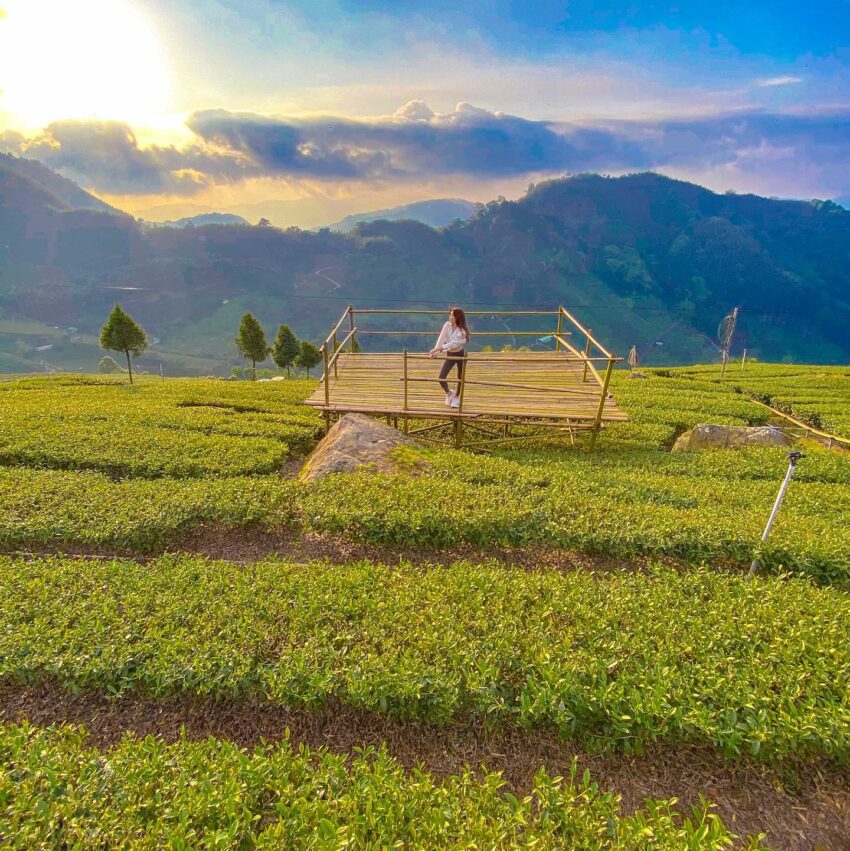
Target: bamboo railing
575,346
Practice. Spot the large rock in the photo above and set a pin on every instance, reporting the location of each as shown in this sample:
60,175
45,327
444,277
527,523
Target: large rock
708,436
357,440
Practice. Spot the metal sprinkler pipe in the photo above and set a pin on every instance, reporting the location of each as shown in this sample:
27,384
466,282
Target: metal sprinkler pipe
793,458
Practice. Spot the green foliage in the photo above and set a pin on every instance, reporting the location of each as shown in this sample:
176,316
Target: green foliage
122,334
108,366
57,791
86,508
817,395
174,428
618,659
630,497
308,356
285,349
251,342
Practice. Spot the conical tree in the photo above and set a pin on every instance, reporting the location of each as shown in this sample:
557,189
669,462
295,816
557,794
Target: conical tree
285,348
122,334
251,342
308,356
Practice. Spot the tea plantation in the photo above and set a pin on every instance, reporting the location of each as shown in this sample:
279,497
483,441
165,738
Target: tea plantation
647,640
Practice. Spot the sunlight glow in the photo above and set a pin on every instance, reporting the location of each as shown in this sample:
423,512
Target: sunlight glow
84,59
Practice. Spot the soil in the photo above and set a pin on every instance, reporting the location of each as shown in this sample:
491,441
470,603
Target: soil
247,544
804,806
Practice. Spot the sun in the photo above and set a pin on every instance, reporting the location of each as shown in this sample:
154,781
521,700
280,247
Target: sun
82,59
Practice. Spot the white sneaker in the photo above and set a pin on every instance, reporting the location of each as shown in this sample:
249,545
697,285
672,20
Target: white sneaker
455,403
449,397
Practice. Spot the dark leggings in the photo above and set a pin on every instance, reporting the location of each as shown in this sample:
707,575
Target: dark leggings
453,359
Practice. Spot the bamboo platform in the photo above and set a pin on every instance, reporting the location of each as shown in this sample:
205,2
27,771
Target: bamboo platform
556,389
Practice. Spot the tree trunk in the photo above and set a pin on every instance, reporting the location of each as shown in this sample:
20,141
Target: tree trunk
129,368
253,370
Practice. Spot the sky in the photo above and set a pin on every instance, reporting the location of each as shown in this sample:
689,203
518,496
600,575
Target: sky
306,111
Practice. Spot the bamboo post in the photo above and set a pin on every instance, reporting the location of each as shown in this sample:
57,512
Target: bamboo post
404,362
586,353
325,376
351,342
459,420
336,346
558,333
597,423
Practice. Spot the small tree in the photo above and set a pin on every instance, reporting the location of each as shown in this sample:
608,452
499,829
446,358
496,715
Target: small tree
308,356
122,334
251,342
285,348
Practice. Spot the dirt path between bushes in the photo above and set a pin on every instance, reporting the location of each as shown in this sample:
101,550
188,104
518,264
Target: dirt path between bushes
800,807
247,544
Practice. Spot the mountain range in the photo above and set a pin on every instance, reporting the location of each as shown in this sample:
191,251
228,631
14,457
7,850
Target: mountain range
643,259
437,213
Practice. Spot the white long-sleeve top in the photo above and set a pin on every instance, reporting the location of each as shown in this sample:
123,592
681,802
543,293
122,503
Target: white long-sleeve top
451,339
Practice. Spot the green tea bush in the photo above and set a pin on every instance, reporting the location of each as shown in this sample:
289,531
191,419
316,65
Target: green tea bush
56,507
177,428
817,395
616,659
58,792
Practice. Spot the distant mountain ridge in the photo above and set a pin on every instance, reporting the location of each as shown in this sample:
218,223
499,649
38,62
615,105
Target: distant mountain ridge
644,260
199,220
436,212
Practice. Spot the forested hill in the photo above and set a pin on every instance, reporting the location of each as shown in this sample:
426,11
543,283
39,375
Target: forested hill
645,260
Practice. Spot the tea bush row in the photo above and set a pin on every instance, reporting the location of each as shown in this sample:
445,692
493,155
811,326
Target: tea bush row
53,507
56,791
617,659
817,395
176,428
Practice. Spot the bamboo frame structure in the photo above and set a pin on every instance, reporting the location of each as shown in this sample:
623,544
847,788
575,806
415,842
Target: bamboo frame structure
558,391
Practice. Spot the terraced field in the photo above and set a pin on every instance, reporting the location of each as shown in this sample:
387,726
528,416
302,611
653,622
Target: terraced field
231,670
818,396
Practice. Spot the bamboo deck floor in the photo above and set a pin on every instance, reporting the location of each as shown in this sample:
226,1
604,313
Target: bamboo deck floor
550,389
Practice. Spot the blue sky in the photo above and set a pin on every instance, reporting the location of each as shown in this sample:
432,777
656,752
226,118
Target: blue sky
347,103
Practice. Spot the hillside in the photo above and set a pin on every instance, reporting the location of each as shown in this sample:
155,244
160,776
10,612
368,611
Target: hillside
435,213
643,260
39,177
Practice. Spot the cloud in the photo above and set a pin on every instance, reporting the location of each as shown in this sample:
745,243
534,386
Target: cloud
778,81
106,156
777,153
413,143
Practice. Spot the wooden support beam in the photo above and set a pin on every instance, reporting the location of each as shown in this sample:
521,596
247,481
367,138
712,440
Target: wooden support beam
602,399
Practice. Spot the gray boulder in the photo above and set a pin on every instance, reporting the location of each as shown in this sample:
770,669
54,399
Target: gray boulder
708,436
356,441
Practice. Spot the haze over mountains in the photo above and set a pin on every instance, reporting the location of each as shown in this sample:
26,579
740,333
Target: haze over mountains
643,259
436,213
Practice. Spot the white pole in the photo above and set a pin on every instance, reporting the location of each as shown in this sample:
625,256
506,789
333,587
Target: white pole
793,458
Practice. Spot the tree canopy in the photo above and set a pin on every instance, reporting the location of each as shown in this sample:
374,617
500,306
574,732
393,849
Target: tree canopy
308,356
122,334
285,348
251,342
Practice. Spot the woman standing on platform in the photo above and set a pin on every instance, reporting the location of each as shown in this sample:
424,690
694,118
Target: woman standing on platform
452,343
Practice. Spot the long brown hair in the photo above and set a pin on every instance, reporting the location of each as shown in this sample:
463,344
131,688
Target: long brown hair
460,320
